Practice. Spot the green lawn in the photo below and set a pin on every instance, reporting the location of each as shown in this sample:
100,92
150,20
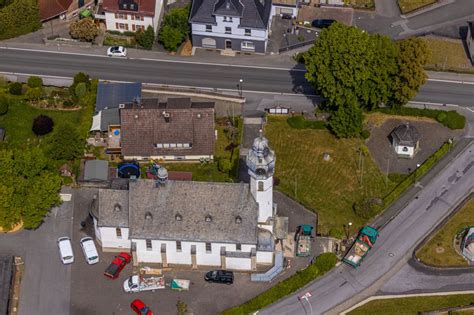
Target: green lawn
329,188
407,6
19,121
444,239
413,305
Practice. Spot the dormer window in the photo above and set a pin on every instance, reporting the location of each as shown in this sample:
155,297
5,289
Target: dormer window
208,218
227,19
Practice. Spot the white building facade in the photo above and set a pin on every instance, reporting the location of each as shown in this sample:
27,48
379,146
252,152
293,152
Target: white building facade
131,16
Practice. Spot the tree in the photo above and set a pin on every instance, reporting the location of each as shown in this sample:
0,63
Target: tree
65,143
84,29
42,125
3,105
81,90
34,94
35,82
146,38
170,38
28,188
15,88
346,64
346,121
413,54
181,308
80,77
175,28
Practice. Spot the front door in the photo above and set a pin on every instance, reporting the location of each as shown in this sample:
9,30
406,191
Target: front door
228,44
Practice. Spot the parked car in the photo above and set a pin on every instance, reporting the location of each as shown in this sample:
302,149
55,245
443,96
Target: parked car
89,250
322,23
116,266
65,250
220,276
117,51
140,308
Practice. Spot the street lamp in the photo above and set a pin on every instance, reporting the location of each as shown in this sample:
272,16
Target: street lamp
347,229
305,297
417,166
240,86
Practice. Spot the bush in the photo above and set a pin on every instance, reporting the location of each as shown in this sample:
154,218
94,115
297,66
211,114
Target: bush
3,105
450,119
175,28
34,94
42,125
368,208
365,134
18,18
126,33
336,233
15,88
441,117
171,38
146,38
84,29
299,122
224,165
80,90
326,262
68,103
80,77
454,120
35,82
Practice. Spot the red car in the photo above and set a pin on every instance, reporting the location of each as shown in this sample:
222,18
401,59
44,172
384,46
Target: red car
119,262
140,308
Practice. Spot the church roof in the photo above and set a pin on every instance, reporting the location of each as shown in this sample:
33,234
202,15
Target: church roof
260,158
406,134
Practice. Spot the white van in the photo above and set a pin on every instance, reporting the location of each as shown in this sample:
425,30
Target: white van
89,250
65,250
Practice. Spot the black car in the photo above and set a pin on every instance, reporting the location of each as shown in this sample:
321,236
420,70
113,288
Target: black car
220,276
322,23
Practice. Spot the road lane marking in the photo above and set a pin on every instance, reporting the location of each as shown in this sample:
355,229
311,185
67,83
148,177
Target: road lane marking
452,81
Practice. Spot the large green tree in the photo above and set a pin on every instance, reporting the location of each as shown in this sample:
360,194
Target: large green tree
28,188
175,28
346,64
65,143
413,54
346,121
146,38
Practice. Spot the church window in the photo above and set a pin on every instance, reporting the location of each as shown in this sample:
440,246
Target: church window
118,232
178,246
148,245
260,186
238,246
208,248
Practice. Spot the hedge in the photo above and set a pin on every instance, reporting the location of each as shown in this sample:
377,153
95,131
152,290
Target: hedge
18,18
299,122
450,119
324,263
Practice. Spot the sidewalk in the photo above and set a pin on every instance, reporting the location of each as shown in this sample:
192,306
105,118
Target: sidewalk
451,76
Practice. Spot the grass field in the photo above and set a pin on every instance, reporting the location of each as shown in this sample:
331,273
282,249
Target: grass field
19,121
413,305
330,188
407,6
447,55
444,239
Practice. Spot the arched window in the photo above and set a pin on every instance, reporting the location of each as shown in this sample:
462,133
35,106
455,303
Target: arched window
260,186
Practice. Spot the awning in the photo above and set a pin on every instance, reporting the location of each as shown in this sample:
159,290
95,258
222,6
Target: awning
96,122
85,14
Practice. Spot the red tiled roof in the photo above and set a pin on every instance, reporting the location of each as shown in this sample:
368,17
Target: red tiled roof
52,8
145,7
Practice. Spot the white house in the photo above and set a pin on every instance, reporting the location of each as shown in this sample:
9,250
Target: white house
224,225
287,8
130,15
405,140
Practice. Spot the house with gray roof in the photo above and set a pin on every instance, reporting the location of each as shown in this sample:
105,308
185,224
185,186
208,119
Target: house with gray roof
232,25
405,140
112,94
224,225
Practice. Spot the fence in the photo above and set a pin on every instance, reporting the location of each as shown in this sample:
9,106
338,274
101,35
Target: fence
295,46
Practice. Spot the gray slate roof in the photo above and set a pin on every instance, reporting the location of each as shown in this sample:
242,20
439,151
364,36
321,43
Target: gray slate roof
406,134
6,274
113,208
109,117
96,170
110,95
252,13
193,201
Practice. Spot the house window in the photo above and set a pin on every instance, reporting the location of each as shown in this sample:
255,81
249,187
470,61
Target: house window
208,248
121,26
238,246
118,232
148,245
137,17
208,28
248,32
405,149
260,186
228,30
249,46
227,19
120,16
178,246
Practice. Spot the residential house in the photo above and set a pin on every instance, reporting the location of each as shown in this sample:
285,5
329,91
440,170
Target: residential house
405,140
130,15
50,9
220,225
111,94
285,8
174,130
237,25
470,40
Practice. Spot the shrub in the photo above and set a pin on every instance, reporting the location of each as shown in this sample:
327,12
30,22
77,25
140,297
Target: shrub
18,18
224,165
3,105
365,134
171,38
175,28
84,29
367,208
146,38
336,233
299,57
80,77
42,125
34,94
299,122
441,117
15,88
326,262
35,82
453,120
80,90
68,103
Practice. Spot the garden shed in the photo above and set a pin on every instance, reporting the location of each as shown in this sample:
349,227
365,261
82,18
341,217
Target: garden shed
405,140
96,170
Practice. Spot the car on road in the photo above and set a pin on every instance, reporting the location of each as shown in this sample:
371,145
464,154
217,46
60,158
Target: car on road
65,250
117,51
89,250
220,276
322,23
116,266
140,308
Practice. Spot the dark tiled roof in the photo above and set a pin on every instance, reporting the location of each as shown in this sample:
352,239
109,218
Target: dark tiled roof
96,170
52,8
113,208
109,117
6,276
145,7
110,95
193,201
406,134
145,126
253,13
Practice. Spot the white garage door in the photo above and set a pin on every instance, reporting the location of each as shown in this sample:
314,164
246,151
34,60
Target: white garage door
208,43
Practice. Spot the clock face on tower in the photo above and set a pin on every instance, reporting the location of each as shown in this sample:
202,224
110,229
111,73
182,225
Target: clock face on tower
260,171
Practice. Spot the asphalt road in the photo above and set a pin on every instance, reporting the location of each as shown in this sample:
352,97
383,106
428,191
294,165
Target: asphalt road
393,248
257,79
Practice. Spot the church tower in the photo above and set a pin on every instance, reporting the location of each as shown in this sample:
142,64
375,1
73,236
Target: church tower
261,166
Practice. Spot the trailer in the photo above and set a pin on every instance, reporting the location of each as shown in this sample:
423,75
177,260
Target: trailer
303,240
137,283
361,247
